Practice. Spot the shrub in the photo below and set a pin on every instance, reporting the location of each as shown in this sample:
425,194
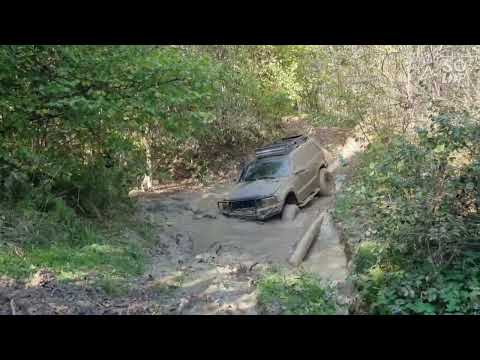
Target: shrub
420,211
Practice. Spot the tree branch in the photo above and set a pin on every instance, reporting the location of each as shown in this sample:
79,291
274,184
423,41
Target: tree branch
170,81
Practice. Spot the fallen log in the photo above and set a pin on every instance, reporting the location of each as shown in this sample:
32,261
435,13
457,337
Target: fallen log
12,307
306,241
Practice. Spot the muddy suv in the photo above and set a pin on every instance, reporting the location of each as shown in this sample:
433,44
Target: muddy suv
283,177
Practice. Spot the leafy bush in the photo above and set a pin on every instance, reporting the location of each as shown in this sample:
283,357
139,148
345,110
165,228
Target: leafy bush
419,199
422,289
77,122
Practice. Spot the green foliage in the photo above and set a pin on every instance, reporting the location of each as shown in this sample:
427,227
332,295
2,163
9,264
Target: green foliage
295,294
424,290
75,121
367,256
61,112
414,194
419,202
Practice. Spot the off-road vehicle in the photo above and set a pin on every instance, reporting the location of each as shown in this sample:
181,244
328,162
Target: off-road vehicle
284,176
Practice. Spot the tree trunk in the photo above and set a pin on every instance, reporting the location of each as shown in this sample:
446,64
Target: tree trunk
147,179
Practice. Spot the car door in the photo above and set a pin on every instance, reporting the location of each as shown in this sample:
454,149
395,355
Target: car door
302,170
319,154
310,154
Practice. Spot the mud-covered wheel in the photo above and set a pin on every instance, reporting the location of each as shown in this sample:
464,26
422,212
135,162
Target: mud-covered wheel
326,182
290,212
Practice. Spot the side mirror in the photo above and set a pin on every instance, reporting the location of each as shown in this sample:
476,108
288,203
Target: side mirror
243,166
239,177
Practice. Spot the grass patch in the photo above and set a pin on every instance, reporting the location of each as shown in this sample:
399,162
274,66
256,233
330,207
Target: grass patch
295,294
72,246
72,262
112,285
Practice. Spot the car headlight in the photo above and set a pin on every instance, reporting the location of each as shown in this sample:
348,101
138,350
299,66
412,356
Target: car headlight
269,201
223,205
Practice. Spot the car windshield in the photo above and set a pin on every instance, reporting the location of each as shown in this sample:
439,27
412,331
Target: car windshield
266,169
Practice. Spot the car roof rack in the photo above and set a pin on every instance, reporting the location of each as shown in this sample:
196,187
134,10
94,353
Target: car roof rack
282,147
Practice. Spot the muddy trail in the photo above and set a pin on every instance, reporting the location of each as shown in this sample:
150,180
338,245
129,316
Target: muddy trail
204,263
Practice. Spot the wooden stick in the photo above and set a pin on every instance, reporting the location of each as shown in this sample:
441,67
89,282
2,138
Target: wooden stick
12,307
306,242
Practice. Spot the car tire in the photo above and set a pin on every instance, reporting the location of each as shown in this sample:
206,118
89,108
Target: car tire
289,212
326,182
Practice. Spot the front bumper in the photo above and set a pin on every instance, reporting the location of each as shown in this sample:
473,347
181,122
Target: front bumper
228,208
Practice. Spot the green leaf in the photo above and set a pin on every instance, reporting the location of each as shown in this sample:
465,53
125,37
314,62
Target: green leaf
439,149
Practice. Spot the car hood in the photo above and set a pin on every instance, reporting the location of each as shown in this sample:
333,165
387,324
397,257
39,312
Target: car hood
255,189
